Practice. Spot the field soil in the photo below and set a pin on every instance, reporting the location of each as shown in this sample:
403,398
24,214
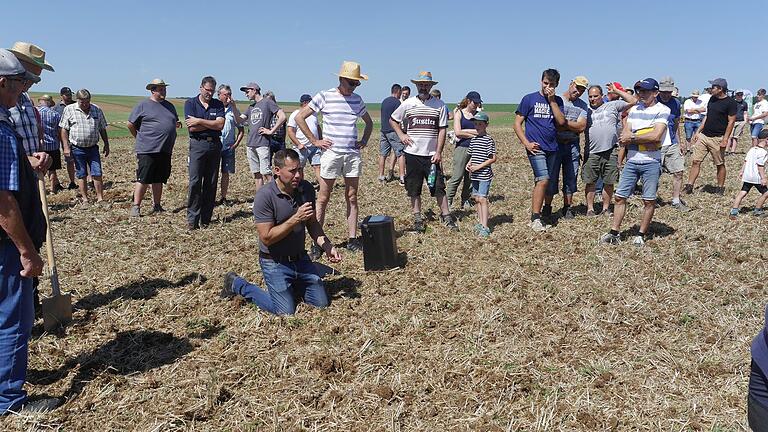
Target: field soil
522,331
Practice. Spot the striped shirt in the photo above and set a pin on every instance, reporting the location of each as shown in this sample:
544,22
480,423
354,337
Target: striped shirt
50,120
24,121
423,121
640,120
481,148
83,128
9,162
340,114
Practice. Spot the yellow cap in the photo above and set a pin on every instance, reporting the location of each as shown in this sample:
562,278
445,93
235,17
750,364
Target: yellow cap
581,81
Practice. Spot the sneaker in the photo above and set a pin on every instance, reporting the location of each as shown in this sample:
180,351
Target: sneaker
568,214
733,214
418,224
720,190
354,245
758,212
537,225
638,241
57,188
402,181
315,252
449,222
157,208
484,232
688,189
608,211
135,211
382,179
390,176
227,291
591,213
611,239
72,186
40,406
680,206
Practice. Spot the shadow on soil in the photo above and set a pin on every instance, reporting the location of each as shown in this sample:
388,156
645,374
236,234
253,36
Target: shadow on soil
139,290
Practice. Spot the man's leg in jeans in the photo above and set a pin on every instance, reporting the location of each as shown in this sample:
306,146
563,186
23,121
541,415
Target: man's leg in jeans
310,284
16,317
277,299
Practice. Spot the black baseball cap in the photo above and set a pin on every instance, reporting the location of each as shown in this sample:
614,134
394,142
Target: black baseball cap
305,98
65,90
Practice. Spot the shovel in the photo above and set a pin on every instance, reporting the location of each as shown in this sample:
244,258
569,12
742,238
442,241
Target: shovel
57,309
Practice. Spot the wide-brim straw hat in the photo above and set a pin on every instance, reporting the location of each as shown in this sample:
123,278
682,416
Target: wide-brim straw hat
157,82
424,76
31,53
351,70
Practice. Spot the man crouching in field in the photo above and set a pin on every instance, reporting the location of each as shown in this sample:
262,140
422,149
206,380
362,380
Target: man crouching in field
283,209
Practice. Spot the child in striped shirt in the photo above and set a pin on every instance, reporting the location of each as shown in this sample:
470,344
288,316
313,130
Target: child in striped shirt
482,153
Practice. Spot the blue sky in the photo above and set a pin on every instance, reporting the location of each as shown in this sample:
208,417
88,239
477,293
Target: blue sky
498,49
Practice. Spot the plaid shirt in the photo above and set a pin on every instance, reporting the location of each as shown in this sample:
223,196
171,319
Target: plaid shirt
83,128
50,120
25,122
9,162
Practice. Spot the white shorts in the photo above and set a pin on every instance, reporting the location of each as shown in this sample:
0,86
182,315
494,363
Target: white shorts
333,165
258,160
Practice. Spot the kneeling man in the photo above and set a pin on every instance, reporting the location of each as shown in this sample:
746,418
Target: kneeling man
283,209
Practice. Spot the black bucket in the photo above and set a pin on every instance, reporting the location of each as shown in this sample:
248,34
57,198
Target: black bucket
379,245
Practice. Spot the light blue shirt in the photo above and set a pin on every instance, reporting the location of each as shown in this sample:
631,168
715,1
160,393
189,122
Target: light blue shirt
229,132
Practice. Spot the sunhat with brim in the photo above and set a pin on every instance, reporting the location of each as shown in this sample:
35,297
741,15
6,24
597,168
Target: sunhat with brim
481,116
11,66
695,93
351,70
31,53
424,76
157,82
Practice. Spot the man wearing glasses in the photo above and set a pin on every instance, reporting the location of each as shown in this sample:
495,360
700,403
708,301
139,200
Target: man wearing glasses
341,108
22,232
204,117
713,135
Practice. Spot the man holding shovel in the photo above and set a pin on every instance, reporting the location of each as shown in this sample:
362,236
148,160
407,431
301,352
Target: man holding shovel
22,232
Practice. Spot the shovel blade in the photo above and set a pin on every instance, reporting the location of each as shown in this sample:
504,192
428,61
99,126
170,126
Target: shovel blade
57,311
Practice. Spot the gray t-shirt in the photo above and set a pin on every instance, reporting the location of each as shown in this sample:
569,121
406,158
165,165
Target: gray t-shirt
272,205
572,112
602,131
156,126
259,114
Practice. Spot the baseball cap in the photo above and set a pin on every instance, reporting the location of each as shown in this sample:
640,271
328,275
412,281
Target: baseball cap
11,66
618,86
305,98
695,93
65,90
720,82
647,84
250,85
474,97
739,91
581,81
667,84
481,116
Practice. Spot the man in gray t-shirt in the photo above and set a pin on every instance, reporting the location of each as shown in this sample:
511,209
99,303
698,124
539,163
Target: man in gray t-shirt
258,118
601,136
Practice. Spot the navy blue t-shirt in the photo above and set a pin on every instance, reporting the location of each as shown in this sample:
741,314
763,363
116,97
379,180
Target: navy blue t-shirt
193,108
674,107
539,120
388,106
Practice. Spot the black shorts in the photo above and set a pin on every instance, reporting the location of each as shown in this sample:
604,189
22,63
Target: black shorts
417,171
55,156
153,168
746,187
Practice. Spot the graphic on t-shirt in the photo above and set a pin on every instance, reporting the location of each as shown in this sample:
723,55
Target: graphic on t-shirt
542,110
422,122
256,115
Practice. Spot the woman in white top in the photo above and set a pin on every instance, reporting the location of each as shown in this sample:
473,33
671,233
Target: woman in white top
760,112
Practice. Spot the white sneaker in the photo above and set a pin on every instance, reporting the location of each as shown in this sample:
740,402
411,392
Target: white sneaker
537,226
638,241
609,238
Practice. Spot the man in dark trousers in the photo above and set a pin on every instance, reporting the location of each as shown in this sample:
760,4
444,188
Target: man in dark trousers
204,117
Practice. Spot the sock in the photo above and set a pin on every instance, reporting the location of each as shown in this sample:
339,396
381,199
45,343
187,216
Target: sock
535,216
675,200
641,234
614,232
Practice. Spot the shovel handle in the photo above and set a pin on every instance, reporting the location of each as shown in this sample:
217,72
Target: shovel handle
48,238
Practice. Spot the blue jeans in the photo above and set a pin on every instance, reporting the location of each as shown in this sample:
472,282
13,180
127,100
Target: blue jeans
17,314
309,154
649,172
86,159
756,128
228,161
570,155
481,187
690,128
543,164
285,283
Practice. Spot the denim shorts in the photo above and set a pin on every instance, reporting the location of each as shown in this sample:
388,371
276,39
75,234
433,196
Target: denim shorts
481,187
756,128
309,153
390,142
543,164
570,158
648,172
228,161
86,159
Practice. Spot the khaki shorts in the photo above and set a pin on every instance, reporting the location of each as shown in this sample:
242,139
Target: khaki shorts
738,128
710,145
671,159
258,160
333,165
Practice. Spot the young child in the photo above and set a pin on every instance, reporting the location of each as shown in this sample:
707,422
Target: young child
482,153
753,176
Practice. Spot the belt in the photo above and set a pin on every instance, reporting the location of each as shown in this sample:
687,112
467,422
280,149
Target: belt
287,258
692,120
209,139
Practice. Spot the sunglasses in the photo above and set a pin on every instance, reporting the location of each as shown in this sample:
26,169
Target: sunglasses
351,82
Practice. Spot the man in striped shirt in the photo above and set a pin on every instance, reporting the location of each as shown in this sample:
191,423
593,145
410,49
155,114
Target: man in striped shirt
341,108
426,120
50,141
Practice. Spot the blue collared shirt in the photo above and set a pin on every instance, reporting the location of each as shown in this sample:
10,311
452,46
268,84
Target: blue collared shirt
9,160
193,108
50,120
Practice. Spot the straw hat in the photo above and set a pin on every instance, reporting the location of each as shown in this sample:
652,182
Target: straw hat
424,76
351,70
31,54
156,82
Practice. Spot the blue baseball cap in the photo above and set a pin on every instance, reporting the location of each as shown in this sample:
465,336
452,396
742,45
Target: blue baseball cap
305,98
647,84
474,97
